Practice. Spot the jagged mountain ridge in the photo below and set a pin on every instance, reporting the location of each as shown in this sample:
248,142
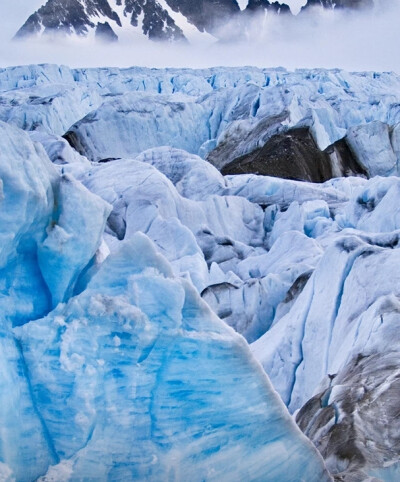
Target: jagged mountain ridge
82,16
170,20
156,19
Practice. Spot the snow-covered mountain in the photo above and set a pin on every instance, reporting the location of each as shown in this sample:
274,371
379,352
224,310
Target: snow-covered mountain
142,233
173,20
156,19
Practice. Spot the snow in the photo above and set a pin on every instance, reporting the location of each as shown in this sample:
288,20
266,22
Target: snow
243,4
192,33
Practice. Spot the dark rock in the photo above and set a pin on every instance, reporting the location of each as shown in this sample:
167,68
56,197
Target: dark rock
290,155
108,159
75,142
297,287
275,7
343,161
79,16
105,33
240,144
354,422
67,17
157,24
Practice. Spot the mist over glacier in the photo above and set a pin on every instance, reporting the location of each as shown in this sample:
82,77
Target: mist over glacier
352,41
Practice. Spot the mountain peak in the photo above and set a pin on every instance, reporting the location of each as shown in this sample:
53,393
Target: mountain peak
171,20
156,19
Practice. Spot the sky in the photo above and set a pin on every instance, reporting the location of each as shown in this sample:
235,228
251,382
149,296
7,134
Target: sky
13,14
360,42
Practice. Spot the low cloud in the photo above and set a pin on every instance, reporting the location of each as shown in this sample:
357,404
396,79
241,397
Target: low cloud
327,39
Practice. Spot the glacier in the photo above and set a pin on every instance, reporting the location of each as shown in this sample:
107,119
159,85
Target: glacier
137,379
158,315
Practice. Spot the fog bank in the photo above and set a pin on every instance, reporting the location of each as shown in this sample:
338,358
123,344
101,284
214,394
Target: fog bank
352,41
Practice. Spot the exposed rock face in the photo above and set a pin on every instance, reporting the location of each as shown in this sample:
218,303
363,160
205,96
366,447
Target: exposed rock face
343,161
157,23
105,33
81,16
351,421
155,19
67,16
240,140
275,7
295,155
291,155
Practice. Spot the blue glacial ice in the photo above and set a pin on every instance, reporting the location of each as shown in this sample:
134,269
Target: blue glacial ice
198,110
136,378
113,368
124,282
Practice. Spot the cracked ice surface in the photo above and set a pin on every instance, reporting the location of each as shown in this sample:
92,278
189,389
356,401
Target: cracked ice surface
115,277
236,110
151,377
129,374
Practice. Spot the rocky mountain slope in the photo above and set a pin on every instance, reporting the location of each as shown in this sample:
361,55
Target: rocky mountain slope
156,19
132,260
172,20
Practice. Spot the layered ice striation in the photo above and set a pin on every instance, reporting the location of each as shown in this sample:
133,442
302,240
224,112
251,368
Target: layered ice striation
136,378
128,261
35,219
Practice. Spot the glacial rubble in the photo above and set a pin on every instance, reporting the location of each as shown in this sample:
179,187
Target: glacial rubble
130,256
